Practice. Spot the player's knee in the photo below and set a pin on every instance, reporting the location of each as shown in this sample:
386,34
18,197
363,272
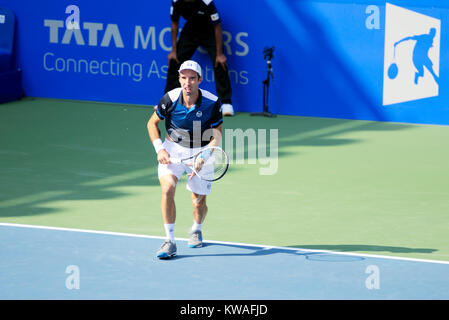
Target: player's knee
199,202
168,185
168,190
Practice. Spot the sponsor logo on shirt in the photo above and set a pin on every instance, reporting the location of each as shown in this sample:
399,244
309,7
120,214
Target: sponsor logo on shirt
215,17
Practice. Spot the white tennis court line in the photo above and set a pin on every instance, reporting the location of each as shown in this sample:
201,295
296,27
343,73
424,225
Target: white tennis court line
264,247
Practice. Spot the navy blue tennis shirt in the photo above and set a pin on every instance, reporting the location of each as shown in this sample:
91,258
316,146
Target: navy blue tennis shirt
189,127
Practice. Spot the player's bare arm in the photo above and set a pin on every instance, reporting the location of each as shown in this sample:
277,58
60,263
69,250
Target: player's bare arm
155,136
174,37
221,58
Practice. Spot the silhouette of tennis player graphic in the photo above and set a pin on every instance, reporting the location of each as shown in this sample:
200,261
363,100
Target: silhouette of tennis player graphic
420,54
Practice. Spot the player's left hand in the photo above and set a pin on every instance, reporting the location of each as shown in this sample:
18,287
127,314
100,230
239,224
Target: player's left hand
198,165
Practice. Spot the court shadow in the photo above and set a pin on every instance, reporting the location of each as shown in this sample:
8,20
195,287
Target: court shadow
364,248
252,251
327,253
302,131
47,159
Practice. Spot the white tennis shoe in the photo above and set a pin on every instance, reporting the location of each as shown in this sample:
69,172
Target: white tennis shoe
196,239
167,250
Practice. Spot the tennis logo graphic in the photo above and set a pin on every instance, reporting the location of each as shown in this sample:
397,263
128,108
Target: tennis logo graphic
412,55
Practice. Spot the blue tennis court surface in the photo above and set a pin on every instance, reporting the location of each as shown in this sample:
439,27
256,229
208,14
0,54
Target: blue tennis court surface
52,263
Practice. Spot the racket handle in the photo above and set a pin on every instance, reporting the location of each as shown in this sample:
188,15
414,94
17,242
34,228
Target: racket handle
175,160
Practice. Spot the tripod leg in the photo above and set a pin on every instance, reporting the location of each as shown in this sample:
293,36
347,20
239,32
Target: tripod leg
265,112
264,102
267,95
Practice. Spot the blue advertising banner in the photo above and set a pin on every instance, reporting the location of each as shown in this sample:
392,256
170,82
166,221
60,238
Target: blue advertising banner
359,59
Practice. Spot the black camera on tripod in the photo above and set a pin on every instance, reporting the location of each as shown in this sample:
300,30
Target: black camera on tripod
267,55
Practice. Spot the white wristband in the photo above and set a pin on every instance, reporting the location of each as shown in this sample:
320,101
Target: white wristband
158,145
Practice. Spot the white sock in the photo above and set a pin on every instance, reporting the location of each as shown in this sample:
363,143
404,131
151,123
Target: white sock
170,231
196,226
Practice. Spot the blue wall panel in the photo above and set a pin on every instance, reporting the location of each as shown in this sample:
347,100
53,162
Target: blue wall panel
330,60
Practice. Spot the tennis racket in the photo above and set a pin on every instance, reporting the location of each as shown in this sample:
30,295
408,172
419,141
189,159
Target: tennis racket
210,164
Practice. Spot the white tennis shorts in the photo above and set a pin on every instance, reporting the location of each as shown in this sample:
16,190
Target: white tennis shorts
175,150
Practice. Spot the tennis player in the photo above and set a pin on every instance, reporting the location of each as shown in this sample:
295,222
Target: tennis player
193,120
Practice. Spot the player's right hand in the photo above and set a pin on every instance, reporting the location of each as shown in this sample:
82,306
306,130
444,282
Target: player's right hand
163,157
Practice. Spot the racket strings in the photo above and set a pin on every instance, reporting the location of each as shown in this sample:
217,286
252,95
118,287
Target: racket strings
211,164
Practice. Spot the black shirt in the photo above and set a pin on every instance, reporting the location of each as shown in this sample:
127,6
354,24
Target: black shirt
201,13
